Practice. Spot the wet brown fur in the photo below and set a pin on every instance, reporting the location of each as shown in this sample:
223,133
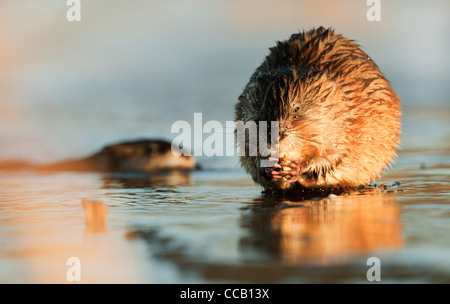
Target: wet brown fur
338,114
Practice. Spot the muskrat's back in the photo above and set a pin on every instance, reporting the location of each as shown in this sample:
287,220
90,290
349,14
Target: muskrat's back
339,119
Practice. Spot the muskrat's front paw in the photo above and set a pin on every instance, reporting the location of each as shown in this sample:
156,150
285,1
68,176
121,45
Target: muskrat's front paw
290,170
287,171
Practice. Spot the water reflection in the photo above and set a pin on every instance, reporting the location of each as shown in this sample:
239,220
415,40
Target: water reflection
322,231
157,179
281,239
47,219
95,213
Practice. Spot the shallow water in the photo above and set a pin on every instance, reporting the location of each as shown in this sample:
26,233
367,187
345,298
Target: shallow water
216,226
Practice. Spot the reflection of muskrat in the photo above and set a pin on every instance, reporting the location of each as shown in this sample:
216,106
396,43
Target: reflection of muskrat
134,156
339,119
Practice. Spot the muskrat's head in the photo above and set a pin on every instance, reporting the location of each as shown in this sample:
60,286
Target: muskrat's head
338,118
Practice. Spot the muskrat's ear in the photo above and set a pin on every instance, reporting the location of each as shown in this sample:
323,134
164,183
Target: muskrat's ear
241,97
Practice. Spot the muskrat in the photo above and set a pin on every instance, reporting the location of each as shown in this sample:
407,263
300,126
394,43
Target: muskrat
339,118
146,155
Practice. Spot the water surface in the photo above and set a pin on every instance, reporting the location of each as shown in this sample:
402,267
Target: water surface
216,226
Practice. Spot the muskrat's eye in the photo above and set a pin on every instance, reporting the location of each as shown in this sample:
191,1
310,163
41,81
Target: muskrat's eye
296,109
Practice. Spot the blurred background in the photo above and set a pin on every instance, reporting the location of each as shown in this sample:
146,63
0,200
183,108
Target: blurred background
130,69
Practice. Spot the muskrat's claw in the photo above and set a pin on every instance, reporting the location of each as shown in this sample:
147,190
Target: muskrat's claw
274,172
293,179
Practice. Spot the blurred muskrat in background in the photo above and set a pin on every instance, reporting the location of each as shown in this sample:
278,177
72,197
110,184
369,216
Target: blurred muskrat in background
339,119
140,156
